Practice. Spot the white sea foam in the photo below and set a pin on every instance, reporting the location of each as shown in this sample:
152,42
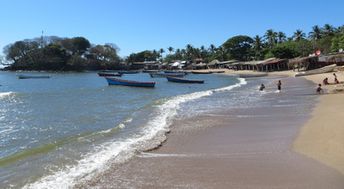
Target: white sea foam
6,94
97,161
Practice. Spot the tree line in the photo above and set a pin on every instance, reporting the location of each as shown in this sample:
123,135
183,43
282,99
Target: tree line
64,54
61,54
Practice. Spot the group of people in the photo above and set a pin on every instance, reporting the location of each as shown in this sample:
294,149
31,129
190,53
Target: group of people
279,86
325,82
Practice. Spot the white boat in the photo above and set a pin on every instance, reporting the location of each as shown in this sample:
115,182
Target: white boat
325,69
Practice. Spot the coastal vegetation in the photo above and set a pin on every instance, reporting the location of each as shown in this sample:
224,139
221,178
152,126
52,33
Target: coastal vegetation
77,54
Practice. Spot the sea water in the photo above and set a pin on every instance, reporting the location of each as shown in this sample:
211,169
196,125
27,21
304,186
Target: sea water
60,131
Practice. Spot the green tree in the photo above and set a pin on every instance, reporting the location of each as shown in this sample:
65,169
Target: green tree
239,47
170,49
258,48
337,43
270,37
316,33
299,35
328,30
281,37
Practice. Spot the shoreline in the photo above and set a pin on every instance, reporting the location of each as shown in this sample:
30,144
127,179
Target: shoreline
226,152
322,136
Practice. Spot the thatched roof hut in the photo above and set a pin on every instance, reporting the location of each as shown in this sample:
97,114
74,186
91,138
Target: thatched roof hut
333,59
304,63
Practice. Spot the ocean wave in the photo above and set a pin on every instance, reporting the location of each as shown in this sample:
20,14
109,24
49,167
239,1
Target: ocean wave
152,135
4,95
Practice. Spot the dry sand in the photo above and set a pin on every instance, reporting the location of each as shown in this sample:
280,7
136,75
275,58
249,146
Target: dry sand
322,137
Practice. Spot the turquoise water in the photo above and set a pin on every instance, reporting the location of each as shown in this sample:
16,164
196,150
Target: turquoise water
63,129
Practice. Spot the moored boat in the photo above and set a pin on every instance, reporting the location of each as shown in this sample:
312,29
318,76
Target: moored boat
117,81
218,71
33,77
107,74
128,72
175,71
325,69
201,72
167,74
183,80
150,71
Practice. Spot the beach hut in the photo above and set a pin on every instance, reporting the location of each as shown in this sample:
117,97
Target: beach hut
224,64
268,65
199,66
305,63
337,58
148,65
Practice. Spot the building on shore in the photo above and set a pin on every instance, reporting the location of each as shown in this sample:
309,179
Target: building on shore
147,65
268,65
215,64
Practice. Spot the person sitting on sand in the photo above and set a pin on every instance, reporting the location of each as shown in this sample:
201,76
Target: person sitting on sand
319,89
325,81
279,85
262,87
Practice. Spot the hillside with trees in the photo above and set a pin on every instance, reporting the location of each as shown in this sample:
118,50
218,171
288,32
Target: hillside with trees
61,54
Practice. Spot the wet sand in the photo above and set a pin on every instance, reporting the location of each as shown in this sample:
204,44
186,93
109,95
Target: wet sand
240,148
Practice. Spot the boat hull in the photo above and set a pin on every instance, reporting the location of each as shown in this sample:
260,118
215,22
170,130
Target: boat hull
201,72
161,75
128,72
109,74
325,69
33,77
180,80
116,81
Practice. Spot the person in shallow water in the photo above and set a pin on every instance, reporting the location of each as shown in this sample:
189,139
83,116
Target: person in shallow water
319,89
262,87
279,85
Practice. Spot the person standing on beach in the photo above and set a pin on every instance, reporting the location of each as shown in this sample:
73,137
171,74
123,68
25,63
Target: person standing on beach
279,85
335,78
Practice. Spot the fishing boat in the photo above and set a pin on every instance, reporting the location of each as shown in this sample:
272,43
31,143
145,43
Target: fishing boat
107,74
150,71
175,71
167,74
201,72
182,80
325,69
117,81
128,72
33,77
218,71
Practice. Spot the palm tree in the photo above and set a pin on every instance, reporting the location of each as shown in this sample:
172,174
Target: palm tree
170,49
257,46
212,48
161,51
298,35
316,32
328,30
270,36
281,37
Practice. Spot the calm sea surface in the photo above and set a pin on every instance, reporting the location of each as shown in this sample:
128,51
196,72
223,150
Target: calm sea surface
56,132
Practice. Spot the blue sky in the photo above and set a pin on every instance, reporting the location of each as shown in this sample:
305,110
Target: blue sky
136,25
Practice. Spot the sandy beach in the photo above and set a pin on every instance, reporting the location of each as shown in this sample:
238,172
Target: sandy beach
259,147
321,137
